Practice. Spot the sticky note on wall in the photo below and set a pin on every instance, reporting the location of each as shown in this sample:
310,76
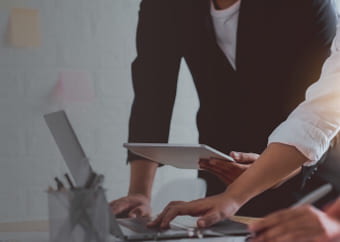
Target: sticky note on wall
75,86
24,27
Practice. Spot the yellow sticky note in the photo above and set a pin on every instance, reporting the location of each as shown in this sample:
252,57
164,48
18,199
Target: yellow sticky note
24,27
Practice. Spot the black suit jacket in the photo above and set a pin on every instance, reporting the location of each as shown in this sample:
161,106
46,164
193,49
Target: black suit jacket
281,46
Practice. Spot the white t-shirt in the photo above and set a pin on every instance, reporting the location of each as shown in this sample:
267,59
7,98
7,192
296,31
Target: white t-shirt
225,23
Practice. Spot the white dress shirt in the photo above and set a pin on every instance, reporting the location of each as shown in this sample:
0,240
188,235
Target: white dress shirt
225,23
315,122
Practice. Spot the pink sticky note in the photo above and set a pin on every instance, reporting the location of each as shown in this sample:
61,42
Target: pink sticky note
75,86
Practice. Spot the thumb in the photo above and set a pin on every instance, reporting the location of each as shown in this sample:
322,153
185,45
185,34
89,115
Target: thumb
334,210
244,157
136,212
119,207
139,211
209,219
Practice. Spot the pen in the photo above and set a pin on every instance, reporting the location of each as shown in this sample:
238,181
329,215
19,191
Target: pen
308,199
69,181
60,185
90,180
98,181
313,196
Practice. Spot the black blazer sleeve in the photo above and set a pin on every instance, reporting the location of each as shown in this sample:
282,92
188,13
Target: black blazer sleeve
154,73
321,17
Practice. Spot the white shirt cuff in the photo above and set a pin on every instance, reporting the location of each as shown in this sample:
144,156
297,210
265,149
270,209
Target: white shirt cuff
311,141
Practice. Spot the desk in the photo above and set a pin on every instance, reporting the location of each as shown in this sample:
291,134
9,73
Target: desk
37,231
43,237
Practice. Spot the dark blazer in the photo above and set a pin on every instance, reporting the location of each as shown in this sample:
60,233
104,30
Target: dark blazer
281,46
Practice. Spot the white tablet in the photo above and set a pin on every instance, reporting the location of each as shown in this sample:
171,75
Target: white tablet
185,156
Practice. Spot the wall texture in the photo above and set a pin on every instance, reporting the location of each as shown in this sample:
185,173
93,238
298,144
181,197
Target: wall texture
83,35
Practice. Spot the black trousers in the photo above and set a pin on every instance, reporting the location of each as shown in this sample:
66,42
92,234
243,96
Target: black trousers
282,197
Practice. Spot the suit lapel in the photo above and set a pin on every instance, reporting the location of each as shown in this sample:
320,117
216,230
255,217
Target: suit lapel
249,34
209,26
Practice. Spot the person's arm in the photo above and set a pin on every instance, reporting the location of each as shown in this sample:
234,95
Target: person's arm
229,171
142,173
314,123
137,202
154,76
154,73
304,223
274,164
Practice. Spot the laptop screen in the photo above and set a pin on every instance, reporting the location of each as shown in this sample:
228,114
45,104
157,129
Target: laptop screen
69,146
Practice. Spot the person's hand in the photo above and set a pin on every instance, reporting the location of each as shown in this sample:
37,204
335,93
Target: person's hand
135,205
242,157
210,210
229,171
334,209
296,224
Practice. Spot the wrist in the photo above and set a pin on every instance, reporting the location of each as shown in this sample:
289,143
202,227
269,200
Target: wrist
229,204
237,199
141,194
142,174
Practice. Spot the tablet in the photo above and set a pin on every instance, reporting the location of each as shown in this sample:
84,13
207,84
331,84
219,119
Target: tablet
185,156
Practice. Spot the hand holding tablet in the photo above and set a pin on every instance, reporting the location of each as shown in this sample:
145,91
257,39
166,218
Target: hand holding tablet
184,156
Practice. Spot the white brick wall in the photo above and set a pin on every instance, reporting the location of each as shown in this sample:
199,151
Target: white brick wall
94,36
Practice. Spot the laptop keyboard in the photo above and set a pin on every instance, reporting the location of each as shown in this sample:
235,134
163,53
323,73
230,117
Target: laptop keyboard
185,222
139,224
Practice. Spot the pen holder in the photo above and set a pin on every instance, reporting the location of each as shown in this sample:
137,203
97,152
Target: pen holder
78,215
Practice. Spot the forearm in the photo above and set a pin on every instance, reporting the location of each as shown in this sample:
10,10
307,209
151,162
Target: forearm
142,174
274,164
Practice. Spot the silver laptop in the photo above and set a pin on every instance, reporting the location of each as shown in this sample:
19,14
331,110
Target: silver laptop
127,229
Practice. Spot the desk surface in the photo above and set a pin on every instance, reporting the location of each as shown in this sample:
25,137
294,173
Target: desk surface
44,237
37,231
42,226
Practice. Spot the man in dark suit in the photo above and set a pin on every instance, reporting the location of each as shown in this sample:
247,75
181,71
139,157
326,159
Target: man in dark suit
279,50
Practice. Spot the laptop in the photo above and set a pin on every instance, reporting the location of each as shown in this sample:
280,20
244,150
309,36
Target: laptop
127,229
